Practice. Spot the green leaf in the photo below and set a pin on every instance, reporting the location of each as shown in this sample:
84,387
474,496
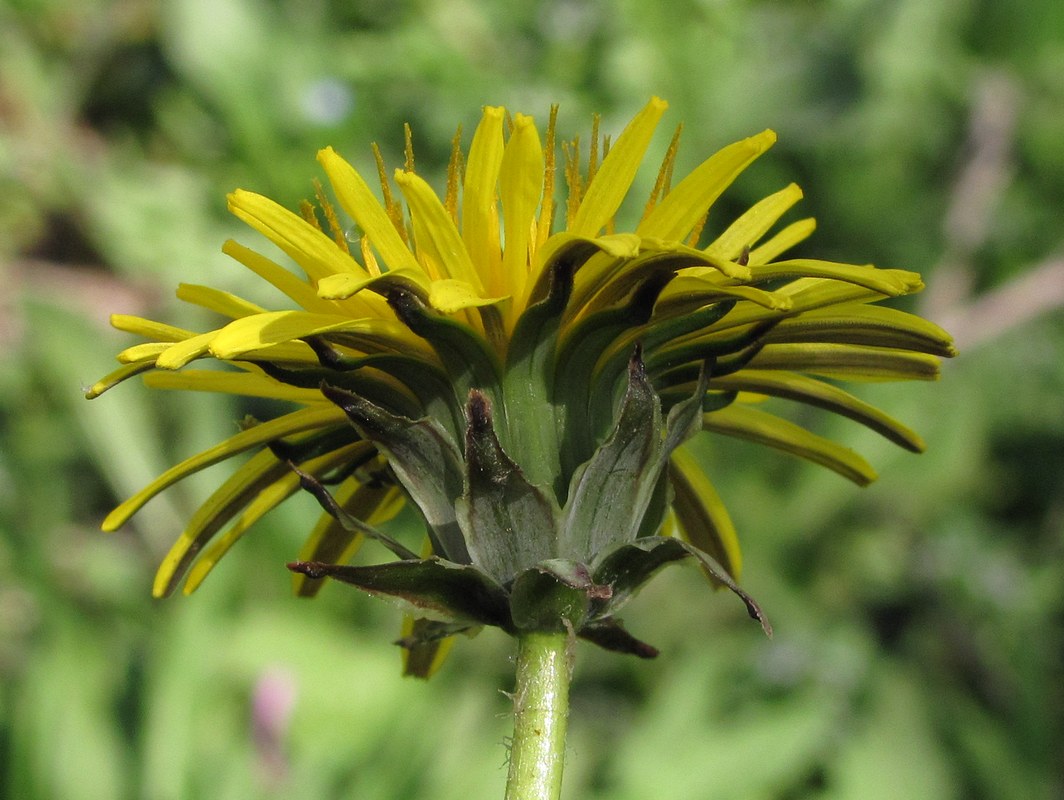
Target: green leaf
772,431
630,566
430,588
702,516
509,524
554,595
425,460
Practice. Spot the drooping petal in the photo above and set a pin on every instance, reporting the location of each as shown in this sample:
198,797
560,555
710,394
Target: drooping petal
813,392
768,429
304,420
265,500
700,513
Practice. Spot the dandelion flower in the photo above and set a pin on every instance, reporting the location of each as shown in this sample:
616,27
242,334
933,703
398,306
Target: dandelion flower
524,375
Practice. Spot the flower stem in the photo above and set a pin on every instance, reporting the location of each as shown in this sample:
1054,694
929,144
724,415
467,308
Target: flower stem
541,713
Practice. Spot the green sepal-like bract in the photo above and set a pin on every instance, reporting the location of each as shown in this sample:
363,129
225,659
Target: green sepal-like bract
553,595
611,493
508,523
424,458
430,588
627,568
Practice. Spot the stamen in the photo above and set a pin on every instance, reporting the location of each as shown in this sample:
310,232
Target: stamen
306,211
546,206
611,223
408,150
573,180
696,231
593,155
368,258
664,179
338,233
395,211
454,168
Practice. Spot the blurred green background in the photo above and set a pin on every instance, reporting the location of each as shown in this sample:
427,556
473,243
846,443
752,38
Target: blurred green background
918,650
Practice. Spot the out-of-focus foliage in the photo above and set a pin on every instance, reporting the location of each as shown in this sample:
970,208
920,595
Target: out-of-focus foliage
919,640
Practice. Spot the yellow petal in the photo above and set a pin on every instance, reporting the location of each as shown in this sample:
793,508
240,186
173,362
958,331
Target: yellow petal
480,221
341,287
772,431
177,355
360,202
259,471
149,329
295,422
142,352
891,282
116,377
439,245
449,296
520,187
264,501
614,178
752,225
674,217
290,285
242,383
313,250
701,513
216,300
262,330
783,241
848,362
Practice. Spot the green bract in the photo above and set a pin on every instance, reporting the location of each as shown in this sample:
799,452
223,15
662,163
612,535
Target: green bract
529,392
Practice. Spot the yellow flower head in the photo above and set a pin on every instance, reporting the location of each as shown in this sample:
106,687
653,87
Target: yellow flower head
524,375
